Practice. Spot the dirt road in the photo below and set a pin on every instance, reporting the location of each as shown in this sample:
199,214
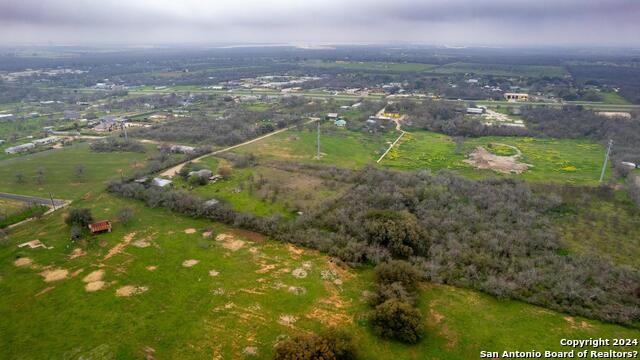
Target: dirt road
171,172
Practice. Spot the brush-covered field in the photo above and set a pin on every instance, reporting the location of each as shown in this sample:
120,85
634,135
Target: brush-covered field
166,286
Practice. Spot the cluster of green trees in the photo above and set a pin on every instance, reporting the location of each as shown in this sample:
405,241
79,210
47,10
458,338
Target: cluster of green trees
496,236
395,315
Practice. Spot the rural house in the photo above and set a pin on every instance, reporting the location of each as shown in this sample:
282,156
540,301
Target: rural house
100,227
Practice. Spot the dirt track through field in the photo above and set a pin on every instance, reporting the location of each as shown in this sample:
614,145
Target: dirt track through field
171,172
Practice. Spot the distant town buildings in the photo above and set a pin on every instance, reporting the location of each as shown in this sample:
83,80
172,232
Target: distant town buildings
513,97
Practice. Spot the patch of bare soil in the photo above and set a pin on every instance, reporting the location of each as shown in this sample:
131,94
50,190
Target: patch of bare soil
130,290
151,268
250,235
287,320
94,281
230,242
300,273
54,275
189,263
213,273
94,276
297,290
76,273
207,234
23,261
94,286
266,268
480,158
294,249
250,351
577,325
118,248
141,244
45,290
190,231
76,253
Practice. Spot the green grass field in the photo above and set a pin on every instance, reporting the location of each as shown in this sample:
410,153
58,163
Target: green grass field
9,206
371,65
338,147
552,160
238,298
609,229
501,69
59,175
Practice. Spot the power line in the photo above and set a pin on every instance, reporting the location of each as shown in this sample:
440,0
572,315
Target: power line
606,158
318,142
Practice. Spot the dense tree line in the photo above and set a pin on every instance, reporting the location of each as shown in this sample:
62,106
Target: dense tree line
495,236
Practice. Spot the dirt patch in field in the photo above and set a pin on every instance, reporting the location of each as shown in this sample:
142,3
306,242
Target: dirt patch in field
141,244
300,273
329,317
230,242
23,262
76,253
54,275
189,263
151,268
577,325
287,320
45,290
265,268
94,286
294,250
118,248
190,231
94,276
213,273
94,281
482,159
250,235
130,290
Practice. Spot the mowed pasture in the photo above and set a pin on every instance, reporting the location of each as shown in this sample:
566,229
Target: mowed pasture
339,147
167,286
57,171
551,160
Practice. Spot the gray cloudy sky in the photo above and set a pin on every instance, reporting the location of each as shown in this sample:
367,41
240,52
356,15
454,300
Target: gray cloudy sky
454,22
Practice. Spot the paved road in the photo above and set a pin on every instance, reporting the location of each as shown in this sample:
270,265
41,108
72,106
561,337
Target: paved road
32,199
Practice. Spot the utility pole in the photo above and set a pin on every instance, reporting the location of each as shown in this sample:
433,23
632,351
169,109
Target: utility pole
606,158
52,202
318,142
124,127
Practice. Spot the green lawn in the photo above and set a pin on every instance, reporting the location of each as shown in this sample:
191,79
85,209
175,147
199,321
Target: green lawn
339,147
186,313
59,175
552,160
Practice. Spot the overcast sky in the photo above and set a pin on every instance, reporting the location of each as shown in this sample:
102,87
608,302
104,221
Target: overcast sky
437,22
